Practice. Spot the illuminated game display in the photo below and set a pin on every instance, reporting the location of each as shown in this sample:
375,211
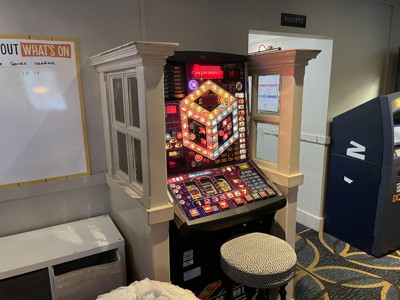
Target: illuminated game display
209,171
209,117
205,115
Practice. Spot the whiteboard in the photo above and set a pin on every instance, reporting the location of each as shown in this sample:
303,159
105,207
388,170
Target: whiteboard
42,126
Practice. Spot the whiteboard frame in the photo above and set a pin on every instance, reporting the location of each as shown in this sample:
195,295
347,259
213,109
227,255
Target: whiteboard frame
81,105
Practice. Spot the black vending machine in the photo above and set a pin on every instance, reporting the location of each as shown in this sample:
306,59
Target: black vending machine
363,188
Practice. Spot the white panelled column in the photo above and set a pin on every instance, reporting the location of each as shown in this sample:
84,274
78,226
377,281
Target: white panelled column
139,202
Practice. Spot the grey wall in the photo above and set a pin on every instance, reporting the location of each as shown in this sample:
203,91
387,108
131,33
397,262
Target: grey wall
394,45
45,204
362,31
97,25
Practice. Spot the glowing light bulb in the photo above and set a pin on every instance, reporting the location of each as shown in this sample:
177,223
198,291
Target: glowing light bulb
40,89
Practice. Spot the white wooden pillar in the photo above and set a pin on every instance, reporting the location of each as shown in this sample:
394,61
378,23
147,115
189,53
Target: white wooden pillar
142,215
285,173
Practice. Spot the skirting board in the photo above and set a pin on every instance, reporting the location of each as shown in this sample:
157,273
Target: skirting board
310,221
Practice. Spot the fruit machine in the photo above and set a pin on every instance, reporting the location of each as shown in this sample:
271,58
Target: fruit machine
217,191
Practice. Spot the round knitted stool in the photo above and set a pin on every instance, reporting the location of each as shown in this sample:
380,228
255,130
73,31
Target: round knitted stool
258,261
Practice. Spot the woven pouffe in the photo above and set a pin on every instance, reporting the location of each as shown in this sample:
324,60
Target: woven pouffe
258,261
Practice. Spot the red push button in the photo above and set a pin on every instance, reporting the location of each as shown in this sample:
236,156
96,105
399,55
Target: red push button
239,200
223,204
207,209
263,194
248,198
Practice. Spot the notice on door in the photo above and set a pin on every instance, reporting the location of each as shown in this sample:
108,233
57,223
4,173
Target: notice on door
268,93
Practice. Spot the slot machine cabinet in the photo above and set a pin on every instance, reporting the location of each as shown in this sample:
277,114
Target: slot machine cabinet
217,191
362,201
142,215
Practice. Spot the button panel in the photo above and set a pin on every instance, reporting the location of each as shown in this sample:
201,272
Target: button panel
213,191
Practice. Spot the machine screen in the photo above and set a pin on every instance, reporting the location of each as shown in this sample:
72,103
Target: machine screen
205,115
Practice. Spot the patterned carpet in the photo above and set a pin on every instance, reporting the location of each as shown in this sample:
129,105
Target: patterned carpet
331,269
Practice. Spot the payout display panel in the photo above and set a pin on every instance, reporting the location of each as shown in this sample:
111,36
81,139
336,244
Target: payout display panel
210,176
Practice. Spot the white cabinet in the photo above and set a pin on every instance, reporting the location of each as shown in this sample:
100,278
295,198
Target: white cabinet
77,260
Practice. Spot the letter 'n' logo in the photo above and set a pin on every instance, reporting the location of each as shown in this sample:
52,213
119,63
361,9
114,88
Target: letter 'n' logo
356,152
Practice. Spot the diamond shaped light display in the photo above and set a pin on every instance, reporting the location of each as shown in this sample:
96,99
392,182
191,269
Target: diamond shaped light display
209,120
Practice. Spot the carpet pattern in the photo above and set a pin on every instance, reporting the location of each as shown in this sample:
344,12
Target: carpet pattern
331,269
